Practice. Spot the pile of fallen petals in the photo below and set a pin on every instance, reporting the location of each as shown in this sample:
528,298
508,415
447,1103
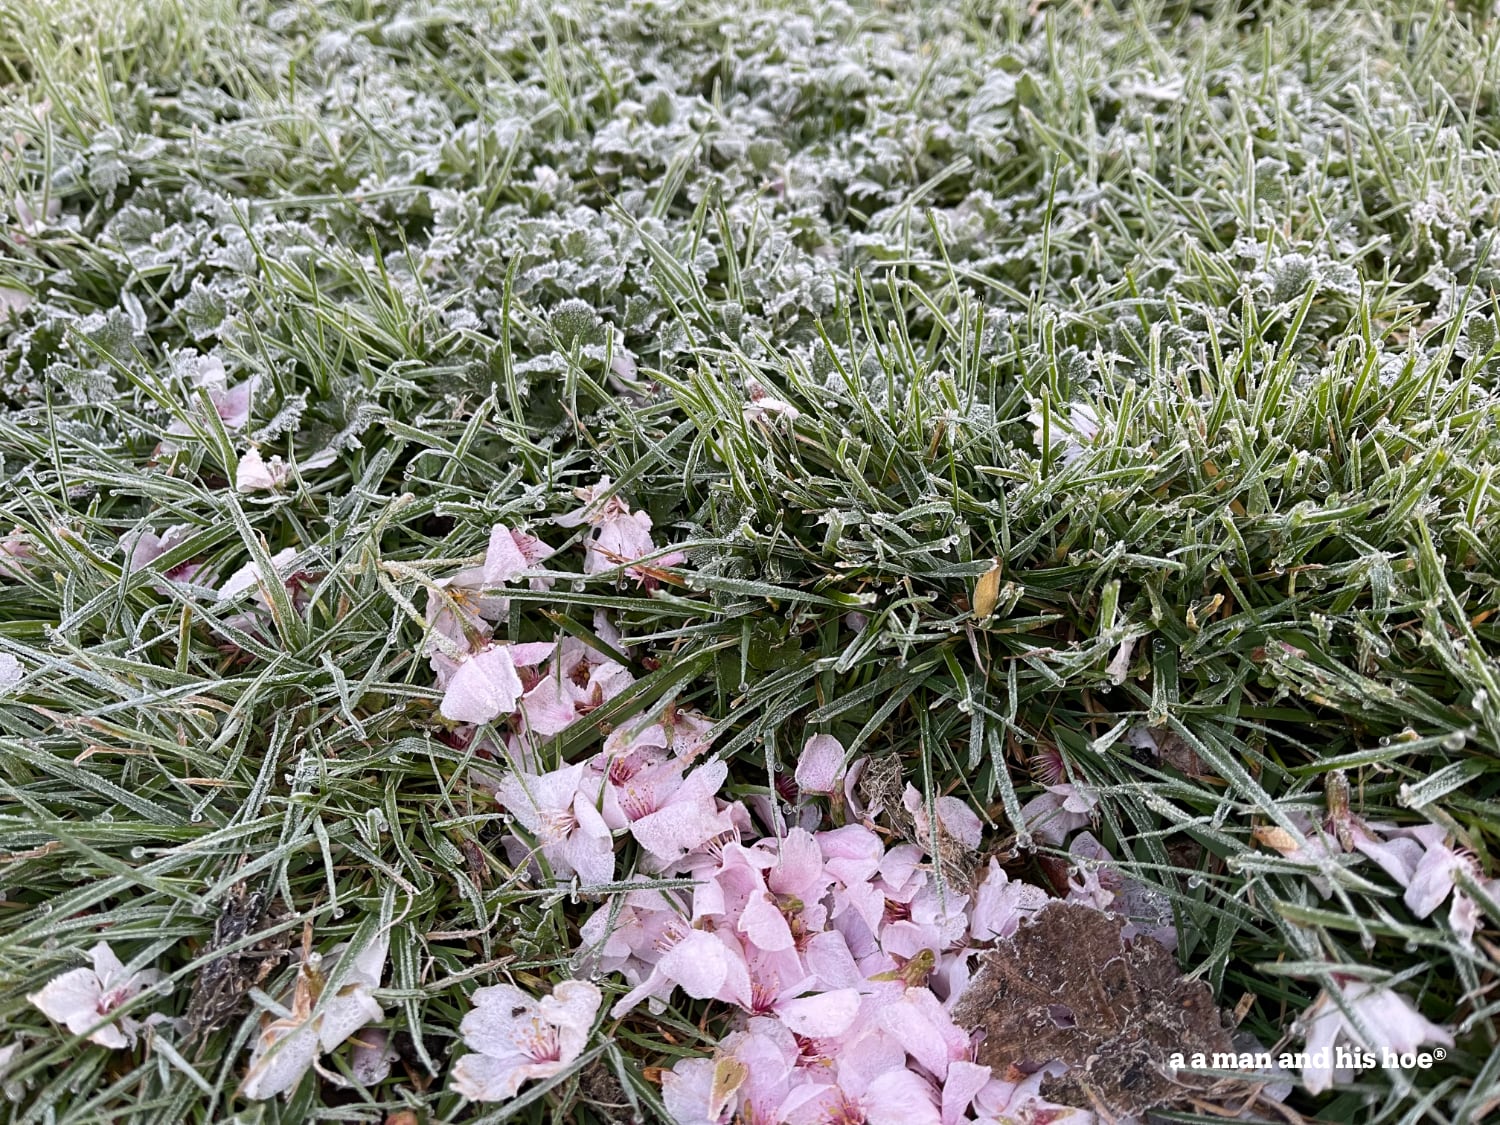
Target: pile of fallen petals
843,952
844,949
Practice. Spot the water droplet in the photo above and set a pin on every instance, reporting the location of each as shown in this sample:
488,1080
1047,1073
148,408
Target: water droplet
195,817
137,852
1195,881
1455,740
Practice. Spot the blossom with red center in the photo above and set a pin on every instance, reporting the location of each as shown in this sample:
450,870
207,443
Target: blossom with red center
637,801
1047,765
619,536
763,996
83,1000
145,547
577,681
845,1111
623,767
559,810
684,816
866,1096
896,911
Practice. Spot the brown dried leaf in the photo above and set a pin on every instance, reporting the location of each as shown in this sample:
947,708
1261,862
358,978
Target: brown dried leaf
957,862
1068,987
1175,751
987,592
222,984
879,789
1274,837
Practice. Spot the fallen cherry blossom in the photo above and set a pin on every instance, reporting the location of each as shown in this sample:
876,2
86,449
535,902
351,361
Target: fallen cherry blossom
288,1046
515,1038
83,1000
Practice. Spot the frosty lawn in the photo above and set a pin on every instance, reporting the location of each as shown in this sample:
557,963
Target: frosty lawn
485,477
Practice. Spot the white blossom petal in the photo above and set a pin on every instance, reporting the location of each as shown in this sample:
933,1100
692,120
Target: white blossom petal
485,687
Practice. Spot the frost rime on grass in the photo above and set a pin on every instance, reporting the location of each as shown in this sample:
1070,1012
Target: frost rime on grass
1181,312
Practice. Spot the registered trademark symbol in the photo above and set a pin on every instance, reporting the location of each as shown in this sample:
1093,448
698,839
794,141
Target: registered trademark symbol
1440,1053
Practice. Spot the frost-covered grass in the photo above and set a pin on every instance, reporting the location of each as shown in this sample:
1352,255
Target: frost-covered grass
480,254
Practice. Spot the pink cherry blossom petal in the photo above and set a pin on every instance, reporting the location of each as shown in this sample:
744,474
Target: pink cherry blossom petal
699,964
485,687
821,765
820,1016
960,1088
516,1038
900,1097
